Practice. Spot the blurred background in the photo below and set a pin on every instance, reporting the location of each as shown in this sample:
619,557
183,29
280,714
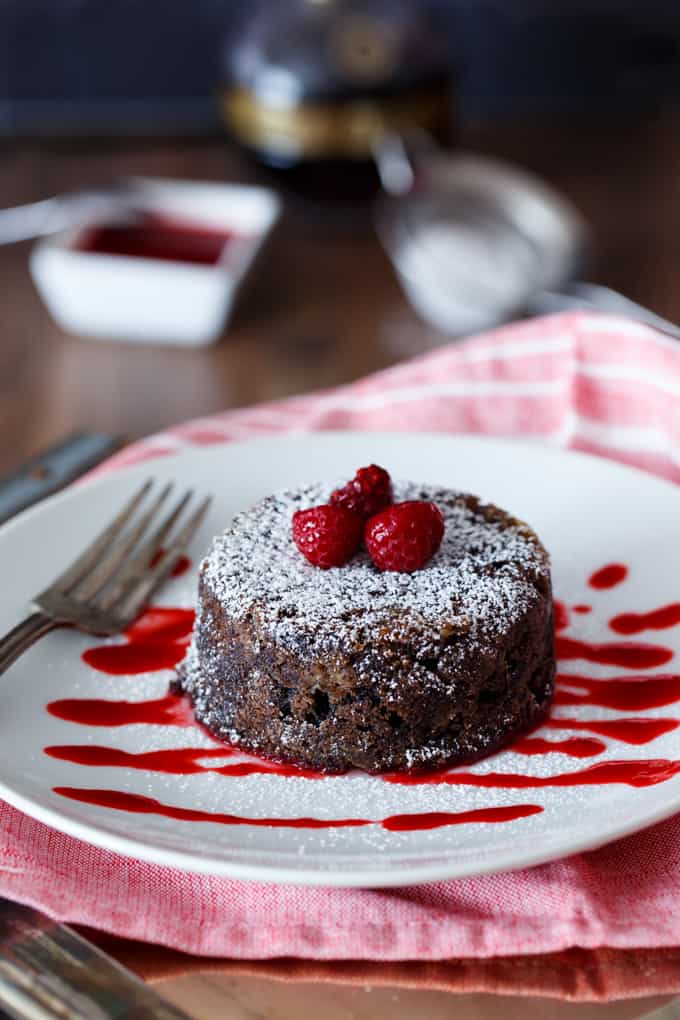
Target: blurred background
88,67
421,170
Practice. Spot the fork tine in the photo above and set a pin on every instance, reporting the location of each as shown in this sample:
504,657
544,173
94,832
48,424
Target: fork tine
155,543
140,563
141,589
101,543
106,568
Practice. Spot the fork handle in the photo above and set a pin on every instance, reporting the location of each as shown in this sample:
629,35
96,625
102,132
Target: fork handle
21,637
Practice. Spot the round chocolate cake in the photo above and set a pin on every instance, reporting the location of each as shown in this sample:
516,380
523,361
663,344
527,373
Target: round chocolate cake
353,667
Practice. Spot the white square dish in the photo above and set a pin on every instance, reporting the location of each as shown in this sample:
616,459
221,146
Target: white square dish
137,298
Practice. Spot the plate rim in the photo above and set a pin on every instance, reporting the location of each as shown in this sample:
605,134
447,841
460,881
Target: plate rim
352,877
99,477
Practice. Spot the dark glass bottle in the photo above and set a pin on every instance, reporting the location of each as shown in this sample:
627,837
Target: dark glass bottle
309,86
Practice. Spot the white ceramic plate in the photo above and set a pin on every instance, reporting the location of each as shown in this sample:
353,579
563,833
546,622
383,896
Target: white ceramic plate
588,512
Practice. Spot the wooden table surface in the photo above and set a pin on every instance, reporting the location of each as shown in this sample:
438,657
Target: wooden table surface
221,997
323,308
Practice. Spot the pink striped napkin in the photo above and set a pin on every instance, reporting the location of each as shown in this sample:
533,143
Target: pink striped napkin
593,383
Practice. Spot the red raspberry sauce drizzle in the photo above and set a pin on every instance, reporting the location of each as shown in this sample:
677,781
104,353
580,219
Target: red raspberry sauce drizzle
159,640
656,619
629,731
609,576
575,747
137,804
625,693
647,772
181,761
631,655
172,710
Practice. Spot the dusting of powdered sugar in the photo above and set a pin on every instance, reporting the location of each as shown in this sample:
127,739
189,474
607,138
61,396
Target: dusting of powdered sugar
484,577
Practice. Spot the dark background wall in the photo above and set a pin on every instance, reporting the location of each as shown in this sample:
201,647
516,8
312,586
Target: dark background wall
141,66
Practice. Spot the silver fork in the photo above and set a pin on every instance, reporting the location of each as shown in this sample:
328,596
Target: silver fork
109,584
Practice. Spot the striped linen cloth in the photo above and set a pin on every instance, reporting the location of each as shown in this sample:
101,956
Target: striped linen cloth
593,383
596,383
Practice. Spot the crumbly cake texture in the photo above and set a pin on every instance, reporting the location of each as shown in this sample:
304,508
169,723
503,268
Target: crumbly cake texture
351,667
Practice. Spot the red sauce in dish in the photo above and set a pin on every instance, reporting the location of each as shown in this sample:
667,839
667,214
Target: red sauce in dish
154,237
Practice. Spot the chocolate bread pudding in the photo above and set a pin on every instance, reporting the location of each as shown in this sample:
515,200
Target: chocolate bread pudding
354,667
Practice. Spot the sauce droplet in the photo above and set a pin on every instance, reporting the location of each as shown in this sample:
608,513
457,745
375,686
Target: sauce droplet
156,237
609,576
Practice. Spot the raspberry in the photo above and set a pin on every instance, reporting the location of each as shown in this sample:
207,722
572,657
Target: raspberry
327,535
369,491
404,536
